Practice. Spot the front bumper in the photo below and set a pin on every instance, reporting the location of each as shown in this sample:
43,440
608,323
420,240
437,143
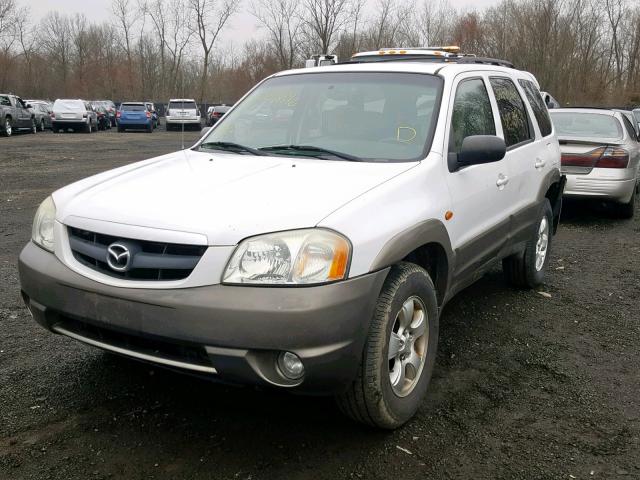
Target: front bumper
231,333
597,186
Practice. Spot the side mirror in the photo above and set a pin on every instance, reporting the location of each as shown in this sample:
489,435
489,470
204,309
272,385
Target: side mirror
28,105
476,150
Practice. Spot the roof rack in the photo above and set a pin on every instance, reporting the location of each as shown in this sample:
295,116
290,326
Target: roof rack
448,54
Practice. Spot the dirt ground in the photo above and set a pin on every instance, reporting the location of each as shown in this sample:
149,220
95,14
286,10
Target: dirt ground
526,386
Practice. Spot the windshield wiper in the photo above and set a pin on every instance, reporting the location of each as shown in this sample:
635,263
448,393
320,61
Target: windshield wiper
231,147
312,148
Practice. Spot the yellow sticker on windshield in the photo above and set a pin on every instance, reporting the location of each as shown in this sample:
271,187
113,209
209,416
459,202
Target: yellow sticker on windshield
406,134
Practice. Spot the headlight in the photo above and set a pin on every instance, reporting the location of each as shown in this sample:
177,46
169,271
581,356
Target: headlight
297,257
42,231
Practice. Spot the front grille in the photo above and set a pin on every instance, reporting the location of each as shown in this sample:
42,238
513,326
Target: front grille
150,261
191,354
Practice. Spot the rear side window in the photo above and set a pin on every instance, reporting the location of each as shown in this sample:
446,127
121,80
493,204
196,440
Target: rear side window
537,105
472,114
4,101
513,115
630,130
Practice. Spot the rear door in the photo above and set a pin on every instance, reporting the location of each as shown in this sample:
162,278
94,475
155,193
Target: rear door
24,115
480,195
525,157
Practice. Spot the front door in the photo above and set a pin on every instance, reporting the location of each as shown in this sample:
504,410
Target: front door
479,226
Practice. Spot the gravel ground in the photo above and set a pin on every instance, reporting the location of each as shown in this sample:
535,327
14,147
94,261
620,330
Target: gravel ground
526,386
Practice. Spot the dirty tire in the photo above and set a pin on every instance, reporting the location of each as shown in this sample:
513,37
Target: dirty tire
371,399
627,210
520,269
8,128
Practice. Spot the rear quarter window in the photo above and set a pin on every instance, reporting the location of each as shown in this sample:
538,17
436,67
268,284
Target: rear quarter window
537,105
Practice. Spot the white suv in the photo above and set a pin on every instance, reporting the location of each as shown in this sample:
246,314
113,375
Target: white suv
182,112
311,238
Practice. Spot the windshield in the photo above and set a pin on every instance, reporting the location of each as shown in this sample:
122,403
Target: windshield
182,105
371,115
578,124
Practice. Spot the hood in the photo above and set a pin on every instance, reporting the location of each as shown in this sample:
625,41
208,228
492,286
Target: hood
226,197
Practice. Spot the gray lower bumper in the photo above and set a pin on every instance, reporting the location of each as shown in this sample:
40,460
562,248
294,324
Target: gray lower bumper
239,330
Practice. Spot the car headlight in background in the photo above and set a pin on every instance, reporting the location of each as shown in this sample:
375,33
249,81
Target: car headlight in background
42,231
296,257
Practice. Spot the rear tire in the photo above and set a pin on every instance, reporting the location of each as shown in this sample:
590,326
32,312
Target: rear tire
8,128
120,129
403,333
627,210
526,269
42,126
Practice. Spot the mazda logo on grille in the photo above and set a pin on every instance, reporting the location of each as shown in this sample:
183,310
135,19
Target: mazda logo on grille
119,257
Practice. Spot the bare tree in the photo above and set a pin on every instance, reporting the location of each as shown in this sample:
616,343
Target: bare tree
281,19
211,16
324,21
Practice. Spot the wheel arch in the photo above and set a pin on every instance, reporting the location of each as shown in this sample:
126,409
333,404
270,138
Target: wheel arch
552,189
426,244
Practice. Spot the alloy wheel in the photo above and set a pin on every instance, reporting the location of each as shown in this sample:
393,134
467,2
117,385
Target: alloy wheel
542,244
407,346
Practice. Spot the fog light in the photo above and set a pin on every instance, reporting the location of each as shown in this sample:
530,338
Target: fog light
290,365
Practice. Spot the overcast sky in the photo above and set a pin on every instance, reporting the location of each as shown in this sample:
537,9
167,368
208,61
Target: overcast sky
240,28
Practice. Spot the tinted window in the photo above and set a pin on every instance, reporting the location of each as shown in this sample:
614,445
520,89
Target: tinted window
587,125
182,105
537,105
5,102
513,115
472,114
372,115
132,108
630,130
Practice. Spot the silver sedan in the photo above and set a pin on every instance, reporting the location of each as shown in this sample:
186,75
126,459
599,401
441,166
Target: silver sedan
600,155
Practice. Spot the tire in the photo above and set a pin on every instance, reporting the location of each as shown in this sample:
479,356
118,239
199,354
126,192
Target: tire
627,210
7,130
87,128
42,125
34,126
526,269
373,399
120,129
150,128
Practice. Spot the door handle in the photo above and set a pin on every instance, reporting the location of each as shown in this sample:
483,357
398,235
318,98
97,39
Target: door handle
539,163
502,181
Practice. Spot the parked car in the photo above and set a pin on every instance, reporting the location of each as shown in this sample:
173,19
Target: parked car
182,112
15,114
636,115
600,155
74,114
42,110
104,122
134,116
549,101
313,253
111,109
631,118
154,114
216,113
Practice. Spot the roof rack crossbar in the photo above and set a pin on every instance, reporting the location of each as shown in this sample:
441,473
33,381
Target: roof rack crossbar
433,58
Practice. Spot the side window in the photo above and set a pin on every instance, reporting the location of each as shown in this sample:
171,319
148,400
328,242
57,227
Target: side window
472,114
513,114
537,105
5,102
629,127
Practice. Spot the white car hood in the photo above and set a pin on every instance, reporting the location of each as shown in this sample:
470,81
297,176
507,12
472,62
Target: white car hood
225,197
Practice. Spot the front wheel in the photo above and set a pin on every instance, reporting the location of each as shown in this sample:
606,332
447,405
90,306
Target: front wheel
8,128
399,353
526,269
